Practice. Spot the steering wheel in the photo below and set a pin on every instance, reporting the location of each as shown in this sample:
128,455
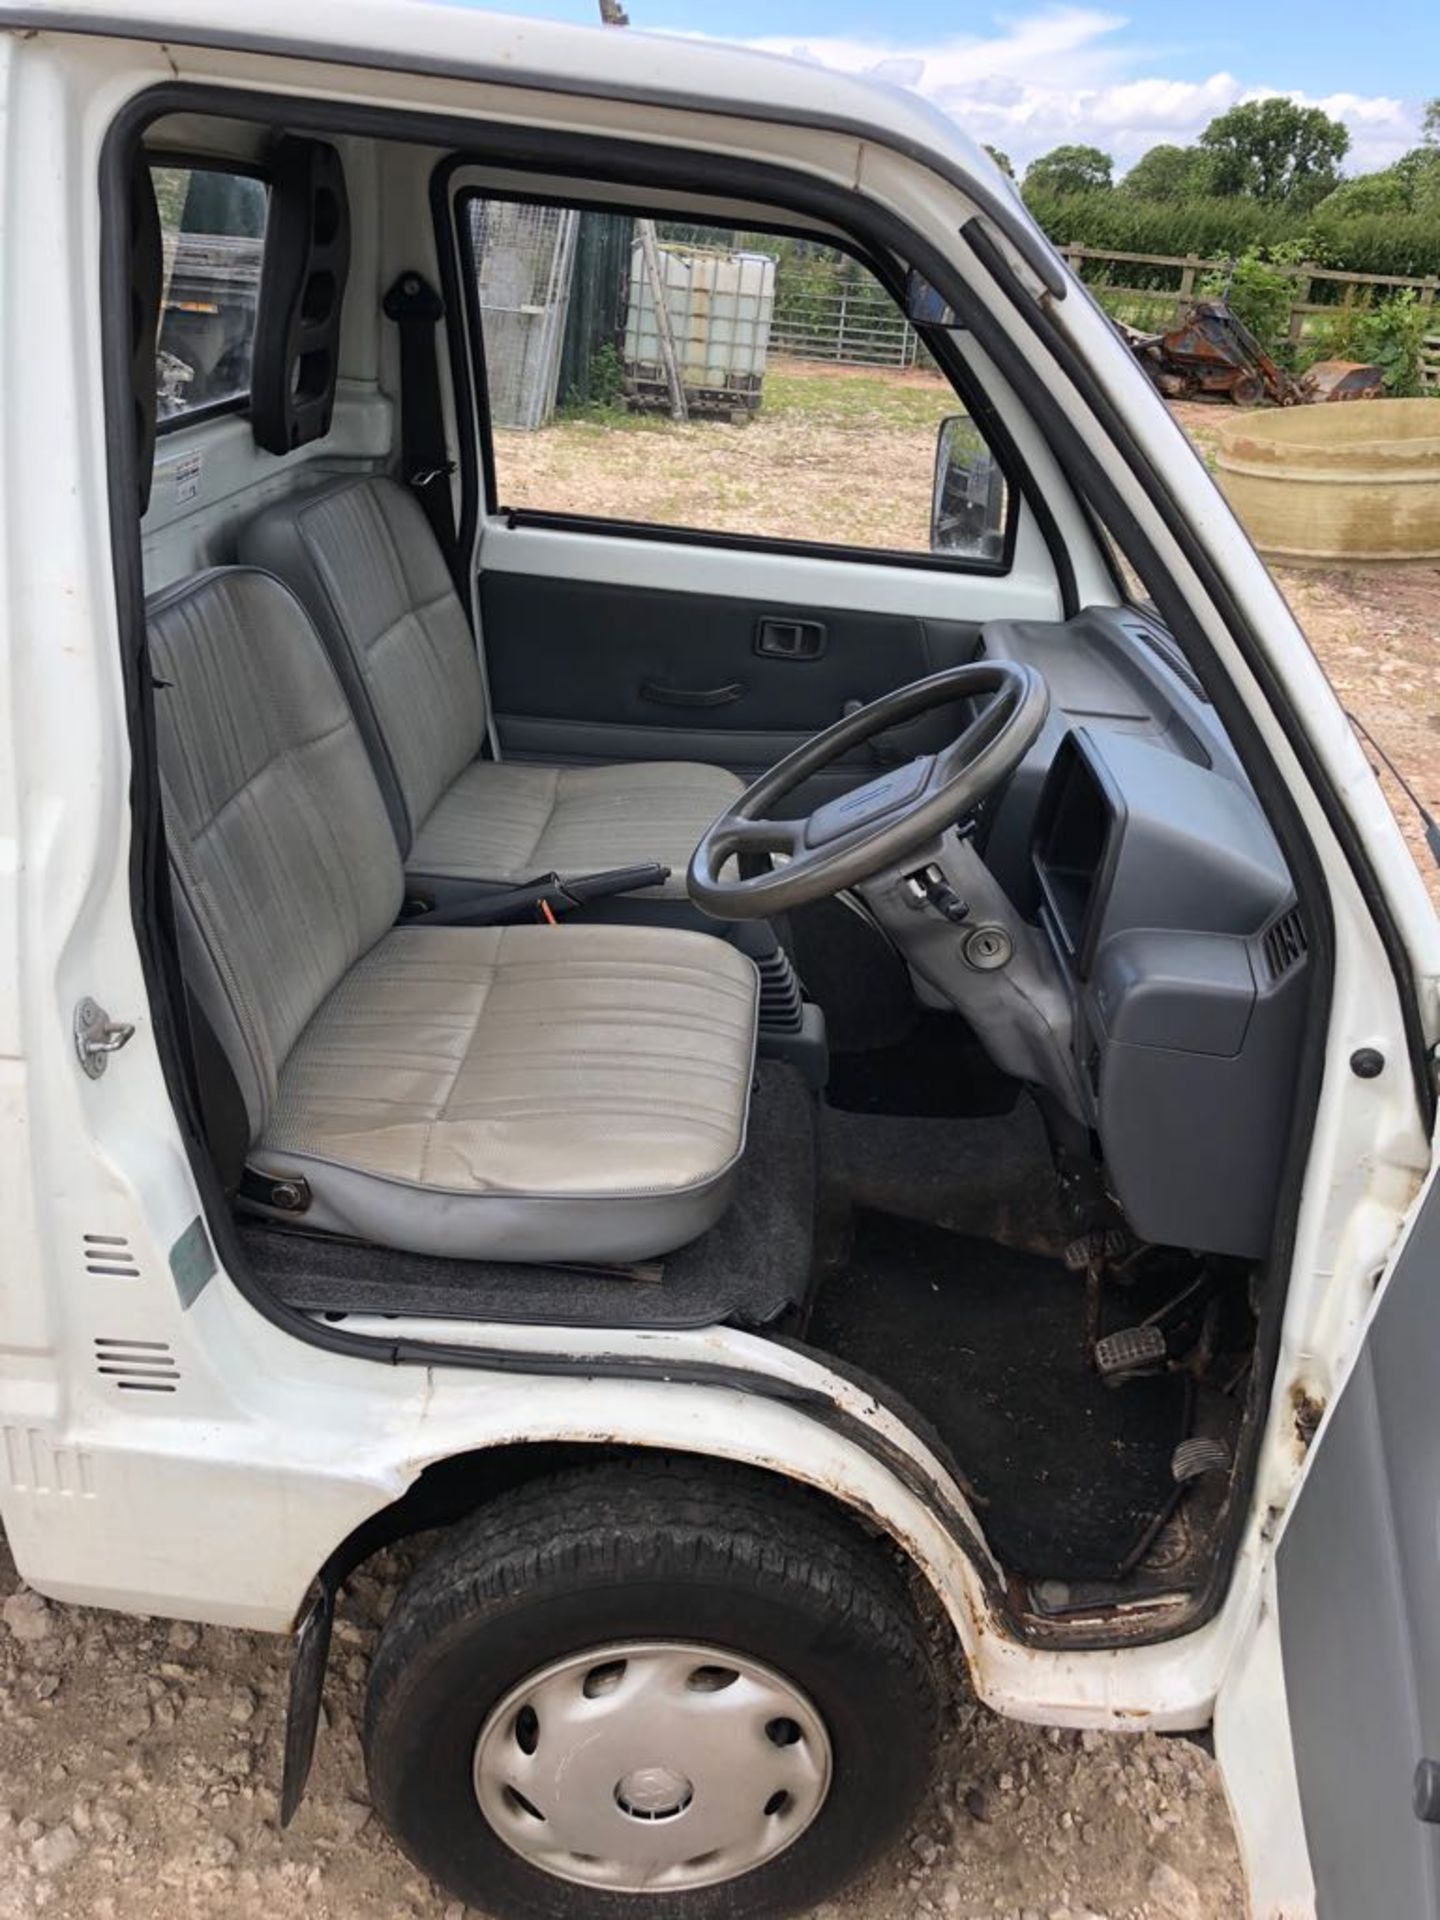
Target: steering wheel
875,826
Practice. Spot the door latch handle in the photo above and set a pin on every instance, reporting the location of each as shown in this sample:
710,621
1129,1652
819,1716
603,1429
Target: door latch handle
790,639
97,1036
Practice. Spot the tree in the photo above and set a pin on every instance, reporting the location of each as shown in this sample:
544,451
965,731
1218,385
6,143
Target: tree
1168,173
1276,151
1430,123
1411,185
1001,159
1069,170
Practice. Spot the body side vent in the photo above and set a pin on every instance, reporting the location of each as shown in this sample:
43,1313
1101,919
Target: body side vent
1284,944
137,1366
109,1255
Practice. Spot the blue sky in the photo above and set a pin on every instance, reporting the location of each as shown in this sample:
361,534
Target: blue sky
1122,77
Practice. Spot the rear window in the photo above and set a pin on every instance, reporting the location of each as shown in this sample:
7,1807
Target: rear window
212,224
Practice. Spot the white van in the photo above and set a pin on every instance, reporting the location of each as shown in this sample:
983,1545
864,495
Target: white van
770,1082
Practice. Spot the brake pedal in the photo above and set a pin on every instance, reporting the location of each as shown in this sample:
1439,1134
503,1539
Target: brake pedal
1134,1350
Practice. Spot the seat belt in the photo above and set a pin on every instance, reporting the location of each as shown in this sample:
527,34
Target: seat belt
415,307
222,1105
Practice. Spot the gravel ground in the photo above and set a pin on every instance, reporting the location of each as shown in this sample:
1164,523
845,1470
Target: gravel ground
139,1762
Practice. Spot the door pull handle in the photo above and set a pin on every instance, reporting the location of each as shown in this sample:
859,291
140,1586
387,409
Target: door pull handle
664,696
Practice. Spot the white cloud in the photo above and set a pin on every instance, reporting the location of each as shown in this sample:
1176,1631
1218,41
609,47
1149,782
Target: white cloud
1061,75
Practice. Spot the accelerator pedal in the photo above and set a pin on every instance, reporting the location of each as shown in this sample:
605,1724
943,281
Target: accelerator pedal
1128,1354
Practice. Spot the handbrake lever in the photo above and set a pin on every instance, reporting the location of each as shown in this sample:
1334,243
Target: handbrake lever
547,899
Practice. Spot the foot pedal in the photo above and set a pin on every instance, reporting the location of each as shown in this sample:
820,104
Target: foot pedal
1092,1249
1133,1350
1194,1457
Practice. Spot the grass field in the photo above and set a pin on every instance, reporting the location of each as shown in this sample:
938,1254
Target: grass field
847,455
834,455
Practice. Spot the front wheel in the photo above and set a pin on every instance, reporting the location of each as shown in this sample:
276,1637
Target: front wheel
650,1689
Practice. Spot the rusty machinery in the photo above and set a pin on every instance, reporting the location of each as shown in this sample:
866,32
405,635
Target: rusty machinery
1210,350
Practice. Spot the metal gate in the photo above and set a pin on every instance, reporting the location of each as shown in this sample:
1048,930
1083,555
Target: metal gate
524,259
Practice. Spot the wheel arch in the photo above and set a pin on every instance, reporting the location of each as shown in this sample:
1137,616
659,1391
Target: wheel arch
452,1486
882,1490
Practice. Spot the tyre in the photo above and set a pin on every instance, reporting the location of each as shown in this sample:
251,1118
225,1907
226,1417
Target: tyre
650,1688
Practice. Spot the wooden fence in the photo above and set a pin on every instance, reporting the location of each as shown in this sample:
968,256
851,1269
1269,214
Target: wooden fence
1305,275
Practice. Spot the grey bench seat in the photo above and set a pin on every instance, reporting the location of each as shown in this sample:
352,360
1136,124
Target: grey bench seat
573,1093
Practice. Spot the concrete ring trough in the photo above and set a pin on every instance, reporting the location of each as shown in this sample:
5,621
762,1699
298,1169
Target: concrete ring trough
1332,485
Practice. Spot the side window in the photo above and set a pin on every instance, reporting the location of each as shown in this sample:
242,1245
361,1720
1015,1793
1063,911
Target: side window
213,227
721,381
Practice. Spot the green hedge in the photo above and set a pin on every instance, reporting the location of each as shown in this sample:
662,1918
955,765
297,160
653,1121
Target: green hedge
1374,242
1218,229
1212,228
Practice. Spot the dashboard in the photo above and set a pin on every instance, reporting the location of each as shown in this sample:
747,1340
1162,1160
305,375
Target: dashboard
1132,836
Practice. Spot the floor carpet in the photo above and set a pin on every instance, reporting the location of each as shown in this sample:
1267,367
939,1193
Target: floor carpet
985,1343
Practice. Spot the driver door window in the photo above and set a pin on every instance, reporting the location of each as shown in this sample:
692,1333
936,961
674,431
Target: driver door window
711,381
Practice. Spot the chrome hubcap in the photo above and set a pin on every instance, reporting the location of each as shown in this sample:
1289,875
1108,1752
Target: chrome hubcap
652,1766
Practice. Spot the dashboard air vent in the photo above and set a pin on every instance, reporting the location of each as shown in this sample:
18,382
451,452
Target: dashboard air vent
1285,944
137,1366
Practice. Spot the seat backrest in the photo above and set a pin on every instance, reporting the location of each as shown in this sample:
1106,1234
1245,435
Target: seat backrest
360,554
285,867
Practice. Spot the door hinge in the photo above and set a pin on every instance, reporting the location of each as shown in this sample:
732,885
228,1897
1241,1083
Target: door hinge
97,1036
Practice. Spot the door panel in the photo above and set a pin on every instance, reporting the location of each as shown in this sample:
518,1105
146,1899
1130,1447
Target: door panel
607,672
1359,1601
664,661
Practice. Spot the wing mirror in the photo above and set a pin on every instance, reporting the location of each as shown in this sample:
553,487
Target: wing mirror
968,509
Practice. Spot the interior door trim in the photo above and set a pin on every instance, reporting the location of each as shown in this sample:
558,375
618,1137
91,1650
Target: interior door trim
803,579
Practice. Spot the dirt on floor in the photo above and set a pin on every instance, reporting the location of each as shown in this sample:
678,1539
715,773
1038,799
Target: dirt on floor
139,1761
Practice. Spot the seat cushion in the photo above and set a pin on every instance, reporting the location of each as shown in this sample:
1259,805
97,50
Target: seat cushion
502,821
536,1093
